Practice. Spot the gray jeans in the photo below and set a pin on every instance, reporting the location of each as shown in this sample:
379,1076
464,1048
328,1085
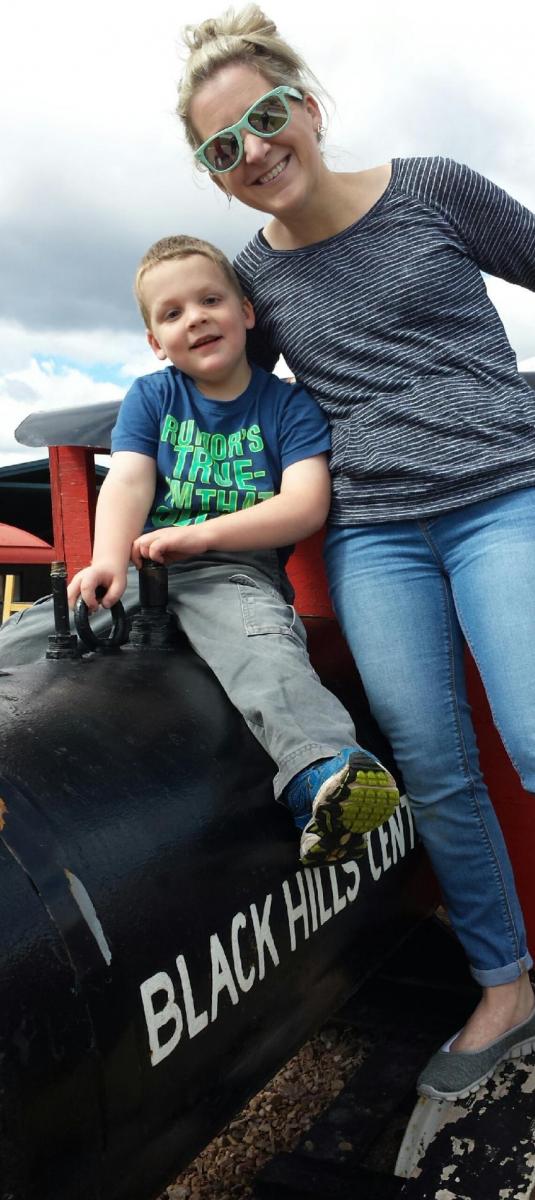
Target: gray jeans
240,623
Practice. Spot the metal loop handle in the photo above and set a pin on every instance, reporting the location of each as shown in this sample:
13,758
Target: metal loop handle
116,635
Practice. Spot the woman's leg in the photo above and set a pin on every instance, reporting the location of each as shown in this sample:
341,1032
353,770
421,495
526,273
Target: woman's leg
395,606
488,549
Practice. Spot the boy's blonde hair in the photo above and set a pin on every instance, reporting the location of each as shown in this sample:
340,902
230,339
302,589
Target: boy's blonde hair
181,246
247,37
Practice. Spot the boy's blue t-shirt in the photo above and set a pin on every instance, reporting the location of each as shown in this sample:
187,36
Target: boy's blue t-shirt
216,456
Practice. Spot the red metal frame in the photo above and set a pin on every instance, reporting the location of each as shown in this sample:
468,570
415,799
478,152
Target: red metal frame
74,496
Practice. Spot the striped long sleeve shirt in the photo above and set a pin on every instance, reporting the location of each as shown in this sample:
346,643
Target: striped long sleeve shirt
389,325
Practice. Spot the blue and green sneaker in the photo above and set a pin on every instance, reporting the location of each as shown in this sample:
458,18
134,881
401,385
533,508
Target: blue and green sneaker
348,795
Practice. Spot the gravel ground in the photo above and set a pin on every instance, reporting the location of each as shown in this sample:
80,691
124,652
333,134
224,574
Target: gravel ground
274,1120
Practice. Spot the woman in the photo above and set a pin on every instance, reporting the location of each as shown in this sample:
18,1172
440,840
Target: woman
369,283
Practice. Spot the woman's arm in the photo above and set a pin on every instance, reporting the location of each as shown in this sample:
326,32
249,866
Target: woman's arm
299,509
498,231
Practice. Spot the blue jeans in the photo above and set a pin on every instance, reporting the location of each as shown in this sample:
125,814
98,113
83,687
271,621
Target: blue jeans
408,594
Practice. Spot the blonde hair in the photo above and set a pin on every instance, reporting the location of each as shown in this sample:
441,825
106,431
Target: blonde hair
247,37
181,246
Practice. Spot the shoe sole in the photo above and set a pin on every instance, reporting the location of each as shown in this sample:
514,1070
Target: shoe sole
517,1051
348,805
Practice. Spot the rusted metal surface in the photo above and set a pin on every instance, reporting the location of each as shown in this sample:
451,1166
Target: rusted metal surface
480,1149
484,1146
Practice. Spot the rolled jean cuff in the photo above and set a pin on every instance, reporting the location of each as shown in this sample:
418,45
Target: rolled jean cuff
506,974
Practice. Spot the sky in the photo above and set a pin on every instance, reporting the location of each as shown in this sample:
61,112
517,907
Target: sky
95,168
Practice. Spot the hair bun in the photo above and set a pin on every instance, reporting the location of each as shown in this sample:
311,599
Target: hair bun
245,37
249,24
196,36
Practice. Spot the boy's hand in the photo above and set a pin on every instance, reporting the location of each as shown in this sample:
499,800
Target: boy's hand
85,583
170,544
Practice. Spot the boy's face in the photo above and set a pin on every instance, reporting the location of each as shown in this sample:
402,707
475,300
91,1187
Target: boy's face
198,321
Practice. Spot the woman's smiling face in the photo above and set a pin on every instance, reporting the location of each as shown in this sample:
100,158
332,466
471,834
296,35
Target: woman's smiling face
275,174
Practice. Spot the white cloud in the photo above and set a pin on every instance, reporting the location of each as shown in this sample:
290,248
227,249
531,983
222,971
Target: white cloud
43,386
87,347
142,363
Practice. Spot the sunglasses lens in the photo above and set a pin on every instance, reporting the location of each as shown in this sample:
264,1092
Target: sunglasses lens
222,152
269,116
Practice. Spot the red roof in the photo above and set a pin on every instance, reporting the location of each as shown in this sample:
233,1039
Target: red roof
19,546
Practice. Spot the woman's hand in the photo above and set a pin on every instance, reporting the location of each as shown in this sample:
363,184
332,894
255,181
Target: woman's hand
86,581
170,544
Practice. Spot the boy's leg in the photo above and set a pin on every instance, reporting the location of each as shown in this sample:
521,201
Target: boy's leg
255,643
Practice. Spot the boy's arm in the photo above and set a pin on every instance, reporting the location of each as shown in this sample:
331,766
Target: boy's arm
299,509
124,501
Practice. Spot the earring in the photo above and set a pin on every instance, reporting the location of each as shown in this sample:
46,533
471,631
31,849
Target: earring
229,198
319,132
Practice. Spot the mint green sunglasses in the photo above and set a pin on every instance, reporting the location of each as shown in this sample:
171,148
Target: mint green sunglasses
265,118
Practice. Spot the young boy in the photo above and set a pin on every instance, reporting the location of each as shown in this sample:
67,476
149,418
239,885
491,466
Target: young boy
225,467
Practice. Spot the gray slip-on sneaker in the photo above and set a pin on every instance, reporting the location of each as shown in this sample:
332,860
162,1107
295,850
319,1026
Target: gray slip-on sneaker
453,1076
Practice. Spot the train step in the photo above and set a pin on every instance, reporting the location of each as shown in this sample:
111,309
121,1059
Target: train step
480,1149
